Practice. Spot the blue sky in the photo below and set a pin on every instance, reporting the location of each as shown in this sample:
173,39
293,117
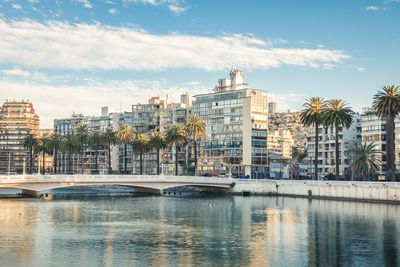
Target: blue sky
79,55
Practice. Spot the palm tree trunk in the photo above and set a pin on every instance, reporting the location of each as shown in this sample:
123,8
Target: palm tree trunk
141,162
109,158
195,155
125,159
316,152
43,163
30,160
96,166
390,157
337,151
70,163
176,159
55,160
158,161
82,159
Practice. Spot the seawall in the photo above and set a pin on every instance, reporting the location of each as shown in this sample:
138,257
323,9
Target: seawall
349,190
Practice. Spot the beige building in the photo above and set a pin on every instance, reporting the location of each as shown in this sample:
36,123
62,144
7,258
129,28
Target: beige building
17,120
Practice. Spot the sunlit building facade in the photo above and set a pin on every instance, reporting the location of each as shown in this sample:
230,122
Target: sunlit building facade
17,120
236,119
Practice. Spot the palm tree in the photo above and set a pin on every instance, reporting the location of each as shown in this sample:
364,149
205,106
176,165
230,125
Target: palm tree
70,145
337,114
158,141
175,135
109,138
387,105
195,128
55,142
365,161
95,140
141,144
312,115
29,143
125,136
82,131
43,146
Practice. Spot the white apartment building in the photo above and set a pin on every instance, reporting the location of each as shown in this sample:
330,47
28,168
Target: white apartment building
326,147
236,119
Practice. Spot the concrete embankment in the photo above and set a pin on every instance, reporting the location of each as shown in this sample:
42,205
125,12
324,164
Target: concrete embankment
349,190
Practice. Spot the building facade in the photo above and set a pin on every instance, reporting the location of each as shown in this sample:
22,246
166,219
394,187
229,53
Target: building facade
17,120
326,147
236,119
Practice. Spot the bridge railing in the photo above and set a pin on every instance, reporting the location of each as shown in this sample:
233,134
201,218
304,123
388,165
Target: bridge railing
119,178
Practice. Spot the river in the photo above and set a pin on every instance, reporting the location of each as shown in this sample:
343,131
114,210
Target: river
197,231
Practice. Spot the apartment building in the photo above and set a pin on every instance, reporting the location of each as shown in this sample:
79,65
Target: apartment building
236,119
17,120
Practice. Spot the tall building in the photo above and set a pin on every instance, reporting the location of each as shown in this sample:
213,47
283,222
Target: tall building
157,115
236,119
17,120
326,147
272,107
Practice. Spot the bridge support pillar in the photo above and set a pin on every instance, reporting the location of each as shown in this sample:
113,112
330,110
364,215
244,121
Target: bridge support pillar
31,193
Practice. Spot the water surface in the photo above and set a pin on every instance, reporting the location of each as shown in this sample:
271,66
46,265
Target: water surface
207,231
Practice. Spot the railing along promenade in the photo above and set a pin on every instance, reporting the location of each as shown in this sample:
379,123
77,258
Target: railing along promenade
34,184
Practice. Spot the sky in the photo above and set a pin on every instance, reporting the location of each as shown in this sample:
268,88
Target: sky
80,55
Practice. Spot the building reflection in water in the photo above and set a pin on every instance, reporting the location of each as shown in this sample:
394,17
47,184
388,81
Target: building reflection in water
218,231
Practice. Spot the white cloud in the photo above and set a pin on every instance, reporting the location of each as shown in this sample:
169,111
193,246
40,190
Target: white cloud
96,46
113,11
177,9
16,71
33,1
174,6
16,6
372,8
361,69
59,101
85,3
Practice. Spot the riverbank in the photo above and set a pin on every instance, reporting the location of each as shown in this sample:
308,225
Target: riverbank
386,192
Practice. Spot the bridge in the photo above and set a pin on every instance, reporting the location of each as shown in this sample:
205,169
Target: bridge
33,184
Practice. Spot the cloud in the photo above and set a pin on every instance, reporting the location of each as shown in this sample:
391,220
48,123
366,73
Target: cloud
60,101
16,71
113,11
177,9
97,46
375,8
372,8
174,6
360,69
16,6
85,3
33,1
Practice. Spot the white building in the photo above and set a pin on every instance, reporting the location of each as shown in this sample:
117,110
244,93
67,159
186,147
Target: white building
326,147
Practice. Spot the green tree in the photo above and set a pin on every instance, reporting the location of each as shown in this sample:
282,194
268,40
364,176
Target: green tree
95,141
109,138
82,132
125,136
175,135
141,145
55,142
195,128
387,105
337,114
70,145
29,143
43,146
312,115
158,141
365,160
